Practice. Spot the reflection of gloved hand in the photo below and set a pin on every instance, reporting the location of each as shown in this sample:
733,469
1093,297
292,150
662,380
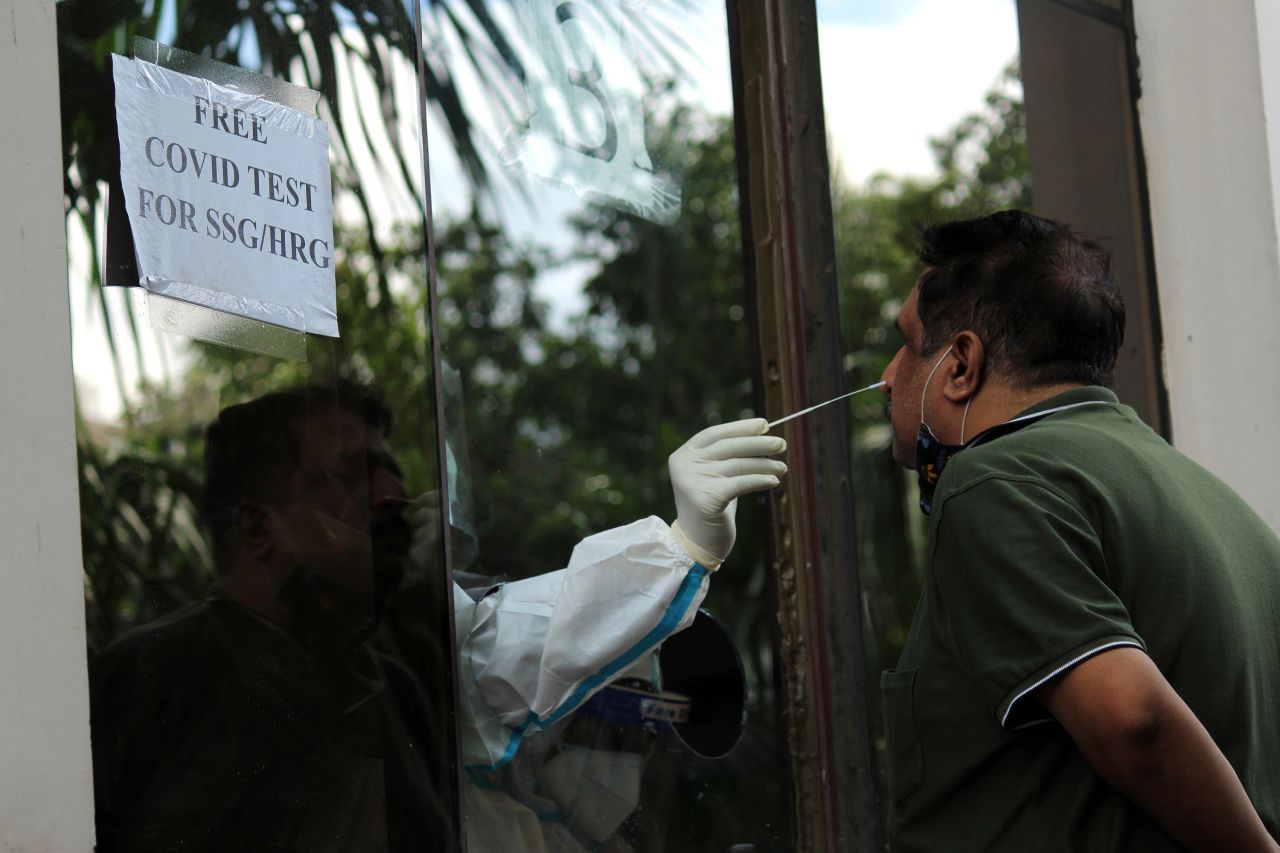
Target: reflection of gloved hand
709,473
423,515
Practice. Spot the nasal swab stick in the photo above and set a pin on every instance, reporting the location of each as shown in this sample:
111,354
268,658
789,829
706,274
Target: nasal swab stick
820,405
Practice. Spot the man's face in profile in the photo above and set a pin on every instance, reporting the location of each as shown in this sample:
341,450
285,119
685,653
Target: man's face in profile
344,489
904,381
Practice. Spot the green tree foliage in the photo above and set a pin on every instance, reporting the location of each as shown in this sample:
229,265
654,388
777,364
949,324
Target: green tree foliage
659,353
315,44
323,45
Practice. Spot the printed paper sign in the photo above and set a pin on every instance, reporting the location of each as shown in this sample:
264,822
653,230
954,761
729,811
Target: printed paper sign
228,197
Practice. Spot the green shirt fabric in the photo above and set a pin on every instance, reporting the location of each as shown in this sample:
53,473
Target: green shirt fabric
1080,532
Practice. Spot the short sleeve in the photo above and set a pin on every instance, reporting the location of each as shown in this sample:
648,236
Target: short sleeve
1022,583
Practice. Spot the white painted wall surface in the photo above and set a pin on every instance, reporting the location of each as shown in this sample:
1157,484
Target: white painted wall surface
1268,15
1210,80
46,793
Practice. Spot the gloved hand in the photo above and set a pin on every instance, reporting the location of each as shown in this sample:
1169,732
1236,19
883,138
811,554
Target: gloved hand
708,475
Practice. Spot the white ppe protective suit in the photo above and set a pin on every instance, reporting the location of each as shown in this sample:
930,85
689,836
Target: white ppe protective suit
534,650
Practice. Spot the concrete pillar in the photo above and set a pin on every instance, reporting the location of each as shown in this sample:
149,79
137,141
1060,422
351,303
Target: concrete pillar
1210,80
46,780
1086,169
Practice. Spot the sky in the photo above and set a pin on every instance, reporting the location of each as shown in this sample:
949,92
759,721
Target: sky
895,73
879,13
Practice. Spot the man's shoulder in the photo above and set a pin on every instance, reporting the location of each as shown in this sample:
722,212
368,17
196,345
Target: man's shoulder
183,620
180,637
141,666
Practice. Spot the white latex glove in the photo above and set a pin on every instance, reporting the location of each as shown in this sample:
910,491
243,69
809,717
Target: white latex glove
708,475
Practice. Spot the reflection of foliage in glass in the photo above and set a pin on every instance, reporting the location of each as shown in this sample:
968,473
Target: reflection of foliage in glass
327,46
471,72
143,546
314,44
590,412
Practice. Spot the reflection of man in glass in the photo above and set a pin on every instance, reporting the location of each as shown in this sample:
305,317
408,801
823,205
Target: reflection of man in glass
261,718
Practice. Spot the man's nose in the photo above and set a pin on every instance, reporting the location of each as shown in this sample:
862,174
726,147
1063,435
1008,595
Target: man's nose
890,373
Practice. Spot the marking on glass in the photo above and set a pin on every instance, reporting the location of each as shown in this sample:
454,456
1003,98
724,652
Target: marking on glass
585,129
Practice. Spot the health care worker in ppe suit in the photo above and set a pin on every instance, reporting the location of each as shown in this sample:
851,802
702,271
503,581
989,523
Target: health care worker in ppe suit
264,718
533,651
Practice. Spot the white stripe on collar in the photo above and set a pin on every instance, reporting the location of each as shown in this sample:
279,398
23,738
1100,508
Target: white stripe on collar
1001,429
1060,409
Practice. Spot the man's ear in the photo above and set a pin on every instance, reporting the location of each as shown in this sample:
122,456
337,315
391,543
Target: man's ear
253,530
965,373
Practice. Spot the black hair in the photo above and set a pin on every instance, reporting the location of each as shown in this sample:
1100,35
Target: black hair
1040,297
252,449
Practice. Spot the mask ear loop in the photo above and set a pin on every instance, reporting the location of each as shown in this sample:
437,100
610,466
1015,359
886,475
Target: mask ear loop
924,390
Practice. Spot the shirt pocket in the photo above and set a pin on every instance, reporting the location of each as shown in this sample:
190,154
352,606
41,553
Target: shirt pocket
903,759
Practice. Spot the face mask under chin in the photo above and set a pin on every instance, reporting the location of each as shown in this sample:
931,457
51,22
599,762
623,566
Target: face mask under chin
931,453
932,456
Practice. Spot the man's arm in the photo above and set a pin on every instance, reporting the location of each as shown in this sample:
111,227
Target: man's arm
1143,739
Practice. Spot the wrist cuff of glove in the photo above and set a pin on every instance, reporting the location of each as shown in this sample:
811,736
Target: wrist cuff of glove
703,557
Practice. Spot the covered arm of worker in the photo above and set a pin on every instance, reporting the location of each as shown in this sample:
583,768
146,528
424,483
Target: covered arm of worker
532,651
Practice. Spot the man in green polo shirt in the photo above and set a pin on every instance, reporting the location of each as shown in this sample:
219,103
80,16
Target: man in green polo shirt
1094,663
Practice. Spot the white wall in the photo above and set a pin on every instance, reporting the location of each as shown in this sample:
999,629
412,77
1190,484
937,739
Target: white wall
1210,80
1268,31
46,796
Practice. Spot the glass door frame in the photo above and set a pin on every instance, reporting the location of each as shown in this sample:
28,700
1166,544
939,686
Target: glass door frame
789,247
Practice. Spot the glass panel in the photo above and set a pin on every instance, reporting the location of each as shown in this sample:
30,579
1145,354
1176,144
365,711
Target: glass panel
270,658
592,318
912,147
